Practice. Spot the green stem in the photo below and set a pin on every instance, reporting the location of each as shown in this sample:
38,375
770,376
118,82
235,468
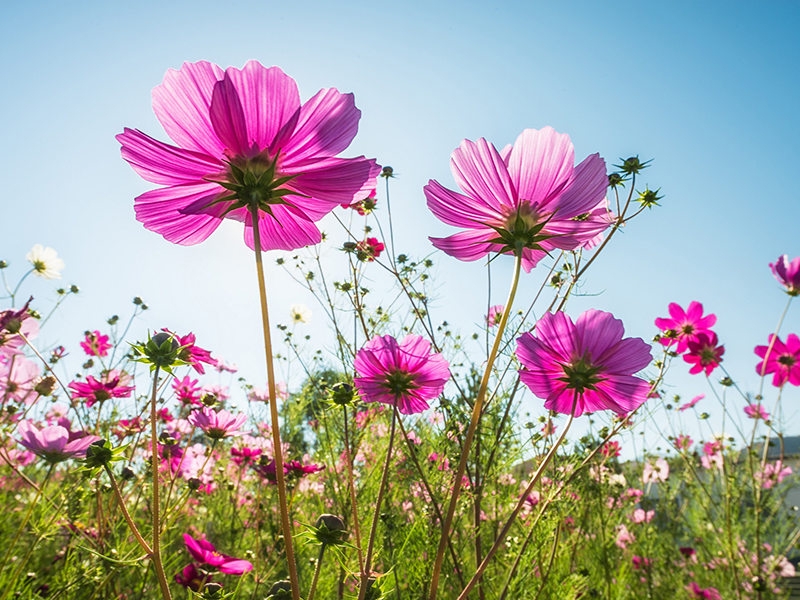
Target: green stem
317,569
352,489
510,521
376,517
135,530
286,524
155,510
473,426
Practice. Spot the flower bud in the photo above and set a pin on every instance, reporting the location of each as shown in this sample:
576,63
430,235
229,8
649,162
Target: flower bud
342,394
280,590
330,530
99,454
46,386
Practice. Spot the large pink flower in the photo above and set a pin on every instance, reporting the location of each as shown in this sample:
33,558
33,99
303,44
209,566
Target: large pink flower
245,141
781,359
529,197
684,326
584,366
54,443
403,374
217,424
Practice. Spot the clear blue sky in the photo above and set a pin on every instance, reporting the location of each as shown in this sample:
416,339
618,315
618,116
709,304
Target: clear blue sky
709,90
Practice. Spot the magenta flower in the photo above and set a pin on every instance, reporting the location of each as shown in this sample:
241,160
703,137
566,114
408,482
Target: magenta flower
193,578
683,442
699,593
54,443
404,374
703,353
187,390
12,323
369,249
756,411
584,366
684,326
191,353
112,384
783,360
205,553
245,142
530,198
787,272
217,424
95,344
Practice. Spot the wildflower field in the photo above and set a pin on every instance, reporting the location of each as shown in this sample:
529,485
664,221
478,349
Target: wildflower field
404,462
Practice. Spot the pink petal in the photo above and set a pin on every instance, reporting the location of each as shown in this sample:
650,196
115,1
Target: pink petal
459,210
334,180
284,231
541,164
327,124
163,211
269,98
162,163
480,171
182,104
588,188
467,245
227,117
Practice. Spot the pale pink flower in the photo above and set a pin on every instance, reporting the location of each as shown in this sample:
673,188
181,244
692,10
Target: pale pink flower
495,315
787,272
245,142
640,516
756,411
691,402
54,443
217,424
529,198
655,472
624,537
781,359
12,323
18,377
773,474
584,366
683,326
403,374
187,390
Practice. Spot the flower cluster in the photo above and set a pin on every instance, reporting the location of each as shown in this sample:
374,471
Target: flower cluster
692,336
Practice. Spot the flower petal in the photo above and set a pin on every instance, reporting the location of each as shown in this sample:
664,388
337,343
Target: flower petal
334,180
459,210
162,163
227,117
164,211
541,164
479,170
182,104
588,188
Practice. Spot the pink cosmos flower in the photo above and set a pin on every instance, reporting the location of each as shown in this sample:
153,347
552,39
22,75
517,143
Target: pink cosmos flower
244,142
18,377
369,249
187,390
495,315
655,472
193,578
684,326
205,553
699,593
217,424
402,374
624,537
704,354
783,360
529,197
584,366
364,206
192,353
12,323
112,384
610,449
756,411
95,344
54,443
683,442
787,272
245,455
712,455
691,402
773,474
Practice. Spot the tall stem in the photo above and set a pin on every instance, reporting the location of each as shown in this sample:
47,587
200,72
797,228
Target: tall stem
376,517
473,426
286,525
155,510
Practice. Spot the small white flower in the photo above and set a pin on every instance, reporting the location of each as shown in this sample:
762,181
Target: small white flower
45,262
300,313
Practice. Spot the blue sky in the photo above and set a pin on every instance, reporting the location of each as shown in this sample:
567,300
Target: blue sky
709,90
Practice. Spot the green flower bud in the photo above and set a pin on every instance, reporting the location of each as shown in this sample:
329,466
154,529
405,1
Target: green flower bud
342,394
330,530
280,590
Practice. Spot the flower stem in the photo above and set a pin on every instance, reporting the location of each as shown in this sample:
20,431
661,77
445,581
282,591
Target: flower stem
135,530
317,569
376,517
473,426
512,517
286,525
155,547
351,486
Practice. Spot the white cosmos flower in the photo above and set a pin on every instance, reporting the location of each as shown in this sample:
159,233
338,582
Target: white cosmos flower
45,262
300,313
